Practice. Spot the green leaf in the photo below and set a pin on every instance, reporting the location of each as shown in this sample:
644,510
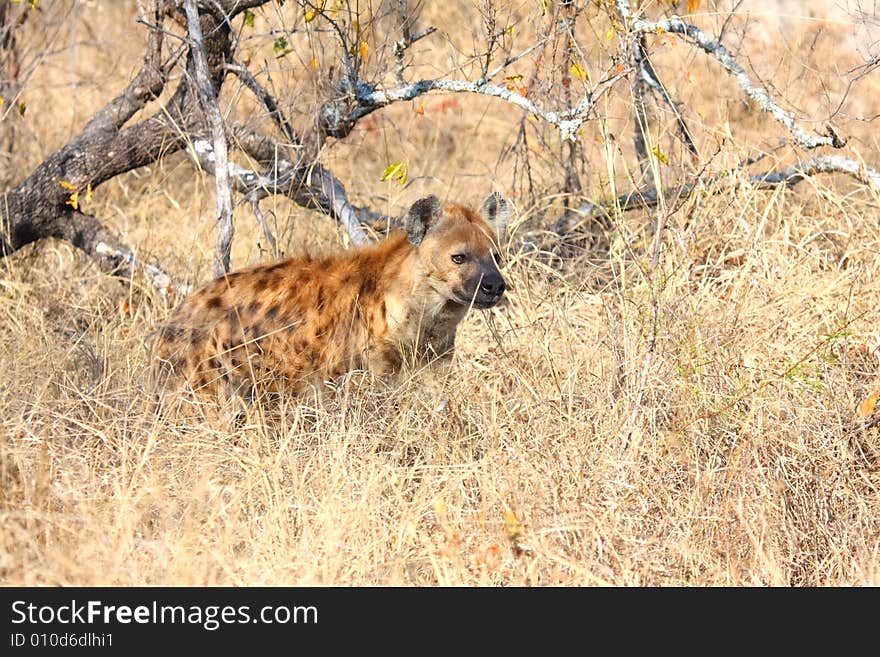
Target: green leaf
280,47
248,18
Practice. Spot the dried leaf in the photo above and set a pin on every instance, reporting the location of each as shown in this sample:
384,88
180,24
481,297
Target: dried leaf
869,405
126,308
579,72
693,5
514,526
73,201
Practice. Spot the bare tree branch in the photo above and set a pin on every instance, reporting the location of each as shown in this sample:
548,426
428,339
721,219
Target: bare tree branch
789,176
649,77
311,186
225,225
640,111
568,122
88,233
675,25
407,39
146,85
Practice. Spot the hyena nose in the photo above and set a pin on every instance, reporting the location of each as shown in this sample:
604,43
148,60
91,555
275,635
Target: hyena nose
493,287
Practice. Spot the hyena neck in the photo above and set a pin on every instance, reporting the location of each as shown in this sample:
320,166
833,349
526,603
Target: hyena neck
418,317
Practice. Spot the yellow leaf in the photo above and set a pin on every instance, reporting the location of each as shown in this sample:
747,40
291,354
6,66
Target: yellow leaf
693,5
659,30
543,4
660,155
869,405
2,100
73,201
398,171
514,526
579,72
67,185
310,15
89,193
439,508
364,49
609,35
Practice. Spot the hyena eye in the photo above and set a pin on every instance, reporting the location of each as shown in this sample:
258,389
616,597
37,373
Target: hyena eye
458,258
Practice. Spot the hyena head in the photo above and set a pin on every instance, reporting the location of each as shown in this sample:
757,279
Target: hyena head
459,249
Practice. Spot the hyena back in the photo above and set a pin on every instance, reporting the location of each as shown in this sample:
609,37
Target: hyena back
305,320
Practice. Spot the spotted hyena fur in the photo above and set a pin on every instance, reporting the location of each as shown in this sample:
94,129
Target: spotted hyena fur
304,320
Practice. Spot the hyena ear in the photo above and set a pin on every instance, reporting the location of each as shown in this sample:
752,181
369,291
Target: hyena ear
496,209
421,217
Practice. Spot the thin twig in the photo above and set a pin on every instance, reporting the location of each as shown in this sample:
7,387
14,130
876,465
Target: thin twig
268,101
254,199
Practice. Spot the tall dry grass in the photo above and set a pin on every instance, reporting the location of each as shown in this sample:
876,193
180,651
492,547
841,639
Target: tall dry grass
731,455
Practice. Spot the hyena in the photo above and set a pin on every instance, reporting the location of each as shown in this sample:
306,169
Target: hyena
301,321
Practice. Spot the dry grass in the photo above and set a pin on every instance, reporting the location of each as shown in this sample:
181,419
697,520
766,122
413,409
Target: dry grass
731,457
